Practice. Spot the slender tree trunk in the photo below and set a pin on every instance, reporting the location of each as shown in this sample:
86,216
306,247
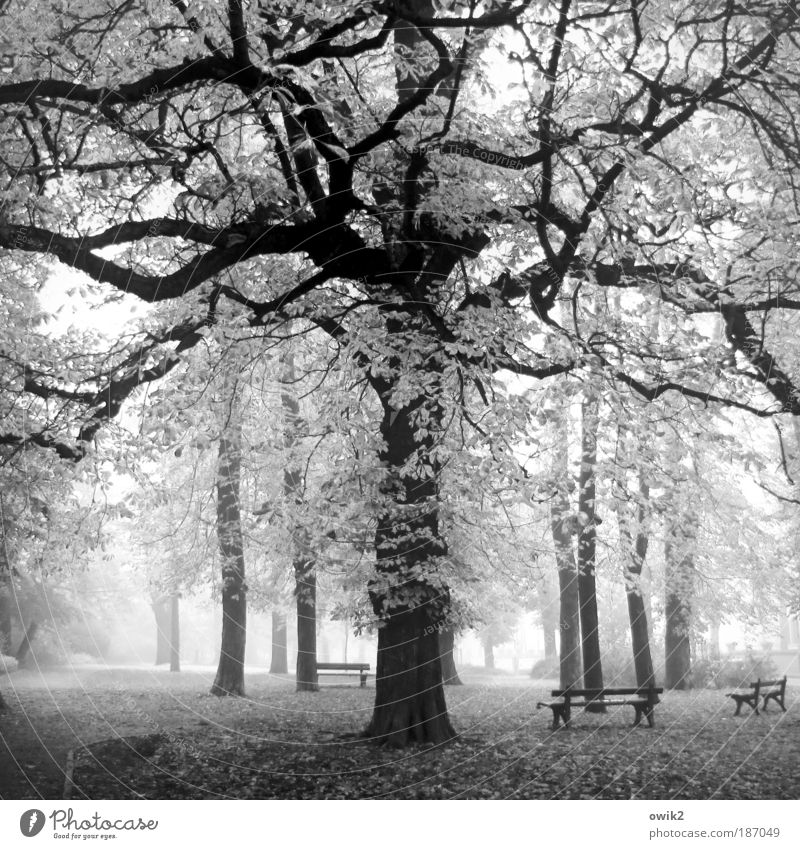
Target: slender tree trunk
634,555
679,591
6,606
305,577
25,646
488,653
548,613
446,647
306,593
713,643
587,547
279,663
175,634
550,646
409,695
562,522
6,587
162,614
230,672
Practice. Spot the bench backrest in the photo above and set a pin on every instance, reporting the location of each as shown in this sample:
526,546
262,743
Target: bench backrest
356,667
593,694
780,682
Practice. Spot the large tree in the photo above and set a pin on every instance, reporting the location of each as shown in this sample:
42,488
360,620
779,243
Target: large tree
381,200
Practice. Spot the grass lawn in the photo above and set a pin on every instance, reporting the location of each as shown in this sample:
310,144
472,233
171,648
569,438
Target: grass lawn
141,733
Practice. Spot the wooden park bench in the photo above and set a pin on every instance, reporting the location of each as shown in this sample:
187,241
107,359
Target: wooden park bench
345,669
642,699
765,690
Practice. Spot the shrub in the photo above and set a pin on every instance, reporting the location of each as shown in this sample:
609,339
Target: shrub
732,672
547,667
7,664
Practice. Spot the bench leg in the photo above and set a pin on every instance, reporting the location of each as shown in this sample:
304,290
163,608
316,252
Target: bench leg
778,700
560,712
363,680
638,718
745,700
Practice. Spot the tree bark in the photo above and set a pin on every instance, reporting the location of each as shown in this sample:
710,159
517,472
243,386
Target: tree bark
305,578
634,555
306,594
679,591
5,611
562,528
548,613
229,680
488,654
406,598
713,641
22,652
162,614
587,547
446,647
6,588
175,634
279,663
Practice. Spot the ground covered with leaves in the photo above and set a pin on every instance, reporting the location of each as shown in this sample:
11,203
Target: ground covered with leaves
136,733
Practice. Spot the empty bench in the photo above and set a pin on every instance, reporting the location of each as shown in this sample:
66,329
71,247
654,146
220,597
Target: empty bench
360,669
643,700
765,690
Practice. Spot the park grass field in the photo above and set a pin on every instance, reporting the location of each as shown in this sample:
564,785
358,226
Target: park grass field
123,733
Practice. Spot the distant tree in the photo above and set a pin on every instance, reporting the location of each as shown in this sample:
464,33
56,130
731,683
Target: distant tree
229,680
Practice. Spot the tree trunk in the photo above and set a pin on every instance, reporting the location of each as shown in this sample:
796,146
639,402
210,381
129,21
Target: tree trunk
161,611
279,663
562,528
5,619
6,588
175,634
679,590
713,642
229,680
5,615
25,646
488,654
406,597
306,592
587,547
305,577
634,555
548,613
446,646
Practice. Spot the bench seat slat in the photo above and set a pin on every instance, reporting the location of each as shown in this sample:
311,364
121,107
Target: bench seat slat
642,699
360,669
